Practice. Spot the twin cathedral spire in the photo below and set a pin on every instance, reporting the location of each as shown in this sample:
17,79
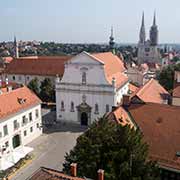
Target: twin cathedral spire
153,32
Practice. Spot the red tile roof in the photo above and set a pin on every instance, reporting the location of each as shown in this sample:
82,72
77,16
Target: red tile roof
114,67
159,124
133,88
120,116
7,59
11,102
152,91
47,65
51,174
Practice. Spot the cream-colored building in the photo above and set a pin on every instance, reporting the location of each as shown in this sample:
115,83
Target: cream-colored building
22,70
20,123
90,86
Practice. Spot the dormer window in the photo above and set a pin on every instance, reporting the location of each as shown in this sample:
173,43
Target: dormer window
21,100
83,77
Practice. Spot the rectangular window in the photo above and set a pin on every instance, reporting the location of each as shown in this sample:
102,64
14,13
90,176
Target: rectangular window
19,78
25,133
31,129
16,124
30,116
5,129
37,113
24,120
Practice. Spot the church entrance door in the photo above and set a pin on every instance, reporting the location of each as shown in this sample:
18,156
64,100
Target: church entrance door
84,119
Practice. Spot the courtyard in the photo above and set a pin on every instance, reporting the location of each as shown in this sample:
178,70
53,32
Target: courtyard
51,147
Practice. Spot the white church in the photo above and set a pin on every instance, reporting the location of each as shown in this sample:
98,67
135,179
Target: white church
91,85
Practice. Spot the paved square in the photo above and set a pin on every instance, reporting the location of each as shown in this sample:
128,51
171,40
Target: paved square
50,148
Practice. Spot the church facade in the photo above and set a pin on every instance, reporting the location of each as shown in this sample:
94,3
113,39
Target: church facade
148,51
91,85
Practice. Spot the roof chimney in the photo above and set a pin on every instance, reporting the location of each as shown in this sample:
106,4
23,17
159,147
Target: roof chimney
74,169
100,174
126,100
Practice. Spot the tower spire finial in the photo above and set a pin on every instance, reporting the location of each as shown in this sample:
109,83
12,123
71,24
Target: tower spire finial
143,19
154,20
142,34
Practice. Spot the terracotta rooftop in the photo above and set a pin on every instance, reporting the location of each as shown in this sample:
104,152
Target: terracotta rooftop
48,65
133,88
50,174
159,124
7,59
152,91
15,100
114,67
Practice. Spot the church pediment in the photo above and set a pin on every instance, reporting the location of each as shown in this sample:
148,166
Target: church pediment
85,58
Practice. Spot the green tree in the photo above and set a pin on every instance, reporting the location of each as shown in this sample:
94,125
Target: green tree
166,76
47,91
33,85
119,150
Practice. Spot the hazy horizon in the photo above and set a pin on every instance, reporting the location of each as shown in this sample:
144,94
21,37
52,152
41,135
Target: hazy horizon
89,21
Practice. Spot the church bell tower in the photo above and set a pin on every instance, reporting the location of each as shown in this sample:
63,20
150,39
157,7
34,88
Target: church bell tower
154,32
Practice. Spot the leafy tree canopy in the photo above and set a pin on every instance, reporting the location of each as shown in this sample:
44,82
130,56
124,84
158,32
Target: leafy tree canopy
33,85
47,92
166,76
119,150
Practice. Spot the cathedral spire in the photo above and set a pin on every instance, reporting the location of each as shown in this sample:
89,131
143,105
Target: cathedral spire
142,34
142,25
154,32
154,20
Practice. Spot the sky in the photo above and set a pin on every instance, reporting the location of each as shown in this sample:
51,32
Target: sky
87,21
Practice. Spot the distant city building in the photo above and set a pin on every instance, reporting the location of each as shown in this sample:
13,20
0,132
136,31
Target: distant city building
20,123
22,70
91,85
148,49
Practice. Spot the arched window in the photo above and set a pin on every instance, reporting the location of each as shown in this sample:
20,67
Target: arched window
72,107
83,77
96,109
62,105
107,107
